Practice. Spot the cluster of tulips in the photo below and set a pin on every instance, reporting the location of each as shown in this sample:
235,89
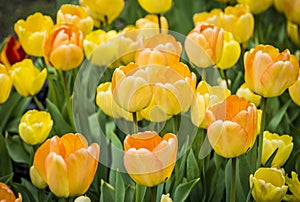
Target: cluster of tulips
161,127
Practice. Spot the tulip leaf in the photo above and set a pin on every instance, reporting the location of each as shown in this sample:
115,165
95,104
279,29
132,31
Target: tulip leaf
26,194
5,159
270,160
60,125
120,187
192,169
183,190
31,188
129,196
228,169
274,122
107,192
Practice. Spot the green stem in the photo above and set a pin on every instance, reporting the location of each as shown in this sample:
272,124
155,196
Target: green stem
159,23
38,103
175,124
233,184
226,78
153,193
137,193
135,123
262,128
203,74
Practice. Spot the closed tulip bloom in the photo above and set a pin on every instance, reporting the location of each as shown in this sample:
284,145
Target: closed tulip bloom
204,45
103,12
231,126
294,91
271,142
268,72
245,92
63,47
257,7
32,32
67,164
231,52
35,126
294,187
12,52
148,158
279,5
82,199
239,21
5,84
156,6
149,27
212,17
27,79
268,184
292,11
73,14
166,198
7,195
293,33
205,97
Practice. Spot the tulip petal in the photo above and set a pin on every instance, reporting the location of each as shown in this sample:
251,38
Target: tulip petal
39,158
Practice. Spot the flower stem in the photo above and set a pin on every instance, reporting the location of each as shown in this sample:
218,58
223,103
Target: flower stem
153,193
262,128
233,184
135,123
137,193
226,79
38,103
159,22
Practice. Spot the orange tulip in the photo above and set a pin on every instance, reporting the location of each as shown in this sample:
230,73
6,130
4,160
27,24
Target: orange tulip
7,195
63,47
231,126
150,159
268,72
204,45
294,91
67,164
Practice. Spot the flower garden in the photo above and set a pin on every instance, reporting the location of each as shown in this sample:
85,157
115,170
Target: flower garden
152,100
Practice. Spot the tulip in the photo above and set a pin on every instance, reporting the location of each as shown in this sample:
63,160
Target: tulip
32,33
166,198
5,84
231,52
7,195
156,6
292,11
35,126
245,92
231,126
212,17
103,12
206,96
239,21
34,78
257,7
294,91
63,47
82,199
204,45
294,187
12,52
73,14
293,33
268,72
150,159
279,5
271,142
36,179
67,164
149,26
268,184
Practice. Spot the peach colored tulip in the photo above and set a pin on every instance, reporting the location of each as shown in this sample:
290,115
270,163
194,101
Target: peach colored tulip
204,45
150,159
67,164
268,72
231,126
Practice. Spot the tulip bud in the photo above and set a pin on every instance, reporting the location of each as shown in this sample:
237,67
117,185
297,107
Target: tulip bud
166,198
257,7
156,6
36,179
5,84
82,199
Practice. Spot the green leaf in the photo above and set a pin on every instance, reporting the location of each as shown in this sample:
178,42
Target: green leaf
183,190
228,169
107,192
275,121
5,162
192,169
270,160
26,194
120,187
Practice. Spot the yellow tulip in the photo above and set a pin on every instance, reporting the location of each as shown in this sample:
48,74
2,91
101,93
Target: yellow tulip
149,27
148,158
268,72
35,126
257,7
212,17
271,142
294,187
231,126
103,12
245,92
293,33
5,84
231,52
156,6
279,5
82,199
36,179
294,91
27,79
206,96
63,47
204,45
7,195
239,21
268,184
32,33
67,164
292,11
166,198
73,14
